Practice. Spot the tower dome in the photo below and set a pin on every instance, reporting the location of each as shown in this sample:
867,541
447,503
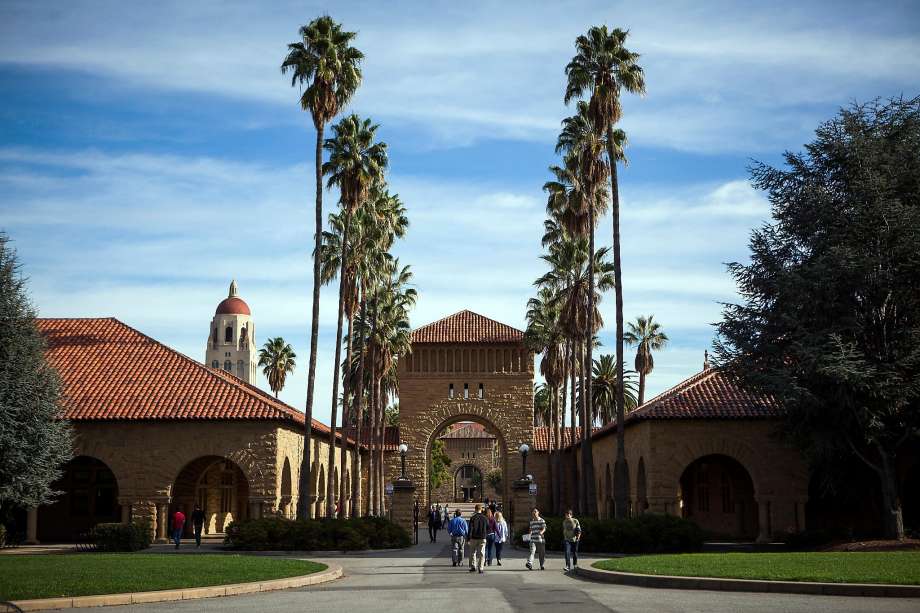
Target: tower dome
232,304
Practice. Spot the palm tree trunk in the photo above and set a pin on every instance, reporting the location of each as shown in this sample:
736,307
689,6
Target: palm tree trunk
343,450
573,393
641,387
330,475
621,475
554,450
372,408
357,509
304,508
587,450
381,423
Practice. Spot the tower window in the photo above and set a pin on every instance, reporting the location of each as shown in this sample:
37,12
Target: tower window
215,364
482,392
215,335
228,334
450,390
466,391
228,366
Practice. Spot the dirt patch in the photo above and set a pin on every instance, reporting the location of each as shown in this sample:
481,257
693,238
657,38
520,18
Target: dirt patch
880,545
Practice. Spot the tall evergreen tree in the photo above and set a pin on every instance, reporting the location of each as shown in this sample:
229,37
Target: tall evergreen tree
34,441
829,322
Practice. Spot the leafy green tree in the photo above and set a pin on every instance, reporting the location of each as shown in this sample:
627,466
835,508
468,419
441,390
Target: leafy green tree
440,462
829,322
392,415
276,358
601,68
330,67
34,441
646,334
494,479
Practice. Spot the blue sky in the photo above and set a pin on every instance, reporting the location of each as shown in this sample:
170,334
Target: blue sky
151,152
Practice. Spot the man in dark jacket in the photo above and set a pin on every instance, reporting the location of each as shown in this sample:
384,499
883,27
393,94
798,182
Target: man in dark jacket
479,527
433,520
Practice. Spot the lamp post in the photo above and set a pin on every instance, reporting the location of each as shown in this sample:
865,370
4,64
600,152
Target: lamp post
403,448
523,449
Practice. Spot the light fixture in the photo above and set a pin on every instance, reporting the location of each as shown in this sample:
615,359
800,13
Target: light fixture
403,448
524,449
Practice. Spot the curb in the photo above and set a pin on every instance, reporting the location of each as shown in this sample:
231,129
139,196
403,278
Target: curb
749,585
333,572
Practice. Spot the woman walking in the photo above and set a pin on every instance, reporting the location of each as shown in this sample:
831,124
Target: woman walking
490,536
501,536
571,535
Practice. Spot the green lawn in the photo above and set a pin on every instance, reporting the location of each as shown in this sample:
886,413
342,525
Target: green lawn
895,567
47,576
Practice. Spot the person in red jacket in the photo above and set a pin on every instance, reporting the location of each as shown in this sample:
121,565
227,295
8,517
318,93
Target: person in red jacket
178,525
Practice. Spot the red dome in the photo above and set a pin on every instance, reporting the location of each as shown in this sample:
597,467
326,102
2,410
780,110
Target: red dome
232,306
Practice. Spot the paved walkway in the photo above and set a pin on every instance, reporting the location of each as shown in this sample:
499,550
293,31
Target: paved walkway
421,579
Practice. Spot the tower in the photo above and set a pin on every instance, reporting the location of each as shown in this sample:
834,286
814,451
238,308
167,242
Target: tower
232,338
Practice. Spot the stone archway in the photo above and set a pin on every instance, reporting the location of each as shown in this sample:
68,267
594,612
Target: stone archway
419,472
717,492
89,496
216,484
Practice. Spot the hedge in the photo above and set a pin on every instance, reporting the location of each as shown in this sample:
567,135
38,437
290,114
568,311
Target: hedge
277,533
649,533
121,537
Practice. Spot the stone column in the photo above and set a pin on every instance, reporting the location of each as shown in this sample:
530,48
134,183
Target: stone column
522,502
763,520
800,514
403,504
162,512
255,509
126,513
32,527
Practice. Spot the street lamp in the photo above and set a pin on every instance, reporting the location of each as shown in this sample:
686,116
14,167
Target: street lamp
403,448
523,449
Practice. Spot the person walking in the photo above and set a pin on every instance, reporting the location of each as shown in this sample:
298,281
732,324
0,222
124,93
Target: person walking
479,527
571,535
432,524
446,517
490,536
178,525
501,536
457,529
438,522
198,523
493,507
537,542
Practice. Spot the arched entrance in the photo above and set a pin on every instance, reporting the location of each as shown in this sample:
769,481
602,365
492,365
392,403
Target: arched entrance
218,486
468,484
717,493
473,481
89,497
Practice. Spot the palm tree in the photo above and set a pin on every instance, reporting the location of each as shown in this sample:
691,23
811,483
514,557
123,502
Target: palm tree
542,409
604,389
648,336
601,68
356,163
326,62
277,361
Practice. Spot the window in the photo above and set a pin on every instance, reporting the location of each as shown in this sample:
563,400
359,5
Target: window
215,364
466,391
728,504
450,390
226,492
228,334
482,392
215,336
228,366
702,489
241,368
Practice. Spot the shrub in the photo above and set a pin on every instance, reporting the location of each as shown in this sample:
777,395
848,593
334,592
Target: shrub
276,533
121,537
649,533
808,539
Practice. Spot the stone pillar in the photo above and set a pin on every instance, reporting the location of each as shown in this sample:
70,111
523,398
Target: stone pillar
255,509
162,512
403,504
32,527
763,520
522,503
800,514
126,513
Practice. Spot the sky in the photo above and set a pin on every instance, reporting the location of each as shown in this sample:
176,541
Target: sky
152,152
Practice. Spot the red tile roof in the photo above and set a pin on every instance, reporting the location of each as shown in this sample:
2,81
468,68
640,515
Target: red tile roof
467,327
468,430
111,371
709,394
541,437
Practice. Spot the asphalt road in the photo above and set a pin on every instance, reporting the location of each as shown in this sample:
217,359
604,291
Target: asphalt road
421,579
